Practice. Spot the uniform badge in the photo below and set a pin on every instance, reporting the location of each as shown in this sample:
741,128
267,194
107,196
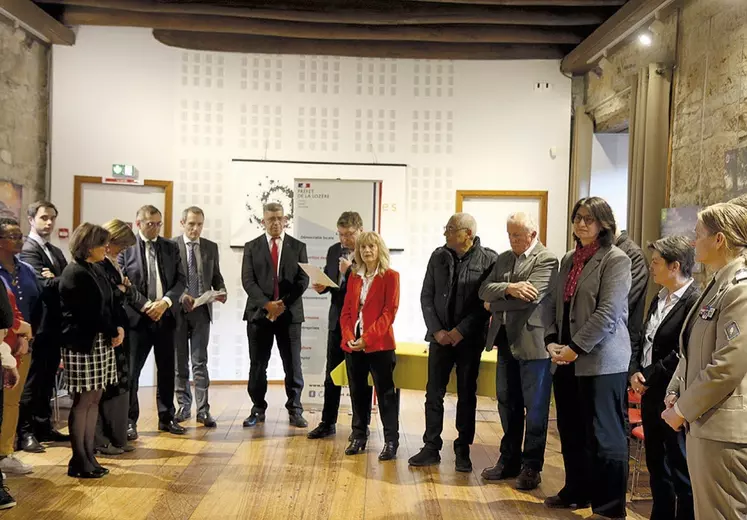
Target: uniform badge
740,276
707,312
732,330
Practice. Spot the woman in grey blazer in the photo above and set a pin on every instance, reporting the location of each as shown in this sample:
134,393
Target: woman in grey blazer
588,340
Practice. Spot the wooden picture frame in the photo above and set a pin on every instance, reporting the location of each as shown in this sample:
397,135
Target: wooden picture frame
168,192
541,196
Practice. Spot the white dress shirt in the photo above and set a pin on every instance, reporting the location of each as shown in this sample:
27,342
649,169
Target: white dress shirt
664,305
367,281
280,241
159,285
36,237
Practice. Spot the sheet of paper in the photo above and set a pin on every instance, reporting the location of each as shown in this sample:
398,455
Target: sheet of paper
208,297
317,276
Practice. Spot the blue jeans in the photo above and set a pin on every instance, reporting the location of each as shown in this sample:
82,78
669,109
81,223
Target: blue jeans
523,385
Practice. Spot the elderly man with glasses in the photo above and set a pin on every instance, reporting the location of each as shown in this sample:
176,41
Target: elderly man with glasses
455,318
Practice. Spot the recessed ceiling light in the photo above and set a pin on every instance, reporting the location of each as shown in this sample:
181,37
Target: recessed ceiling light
645,39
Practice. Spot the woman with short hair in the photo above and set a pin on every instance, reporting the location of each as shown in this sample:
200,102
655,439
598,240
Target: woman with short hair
371,304
91,329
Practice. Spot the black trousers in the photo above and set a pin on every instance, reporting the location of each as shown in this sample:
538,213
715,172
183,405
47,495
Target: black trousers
288,336
158,336
35,406
111,427
335,356
591,423
441,360
666,461
381,366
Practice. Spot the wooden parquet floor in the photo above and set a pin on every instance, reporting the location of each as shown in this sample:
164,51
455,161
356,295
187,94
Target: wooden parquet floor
273,472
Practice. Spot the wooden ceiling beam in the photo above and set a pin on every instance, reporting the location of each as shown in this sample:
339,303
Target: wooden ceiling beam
223,24
628,19
37,22
545,3
369,49
399,14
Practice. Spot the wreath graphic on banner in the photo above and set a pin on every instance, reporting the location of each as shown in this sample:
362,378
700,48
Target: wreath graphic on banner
269,190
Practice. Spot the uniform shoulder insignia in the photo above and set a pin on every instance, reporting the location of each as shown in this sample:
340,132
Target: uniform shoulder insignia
740,276
732,330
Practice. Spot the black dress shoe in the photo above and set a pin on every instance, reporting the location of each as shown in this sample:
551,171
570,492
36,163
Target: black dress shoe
528,480
29,444
109,449
356,446
425,457
127,448
76,473
171,427
389,452
322,431
499,472
557,502
206,420
132,432
253,419
463,464
297,420
183,415
53,436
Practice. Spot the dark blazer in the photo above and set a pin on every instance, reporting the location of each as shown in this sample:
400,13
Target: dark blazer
210,264
639,283
34,255
337,300
173,280
88,308
257,279
665,351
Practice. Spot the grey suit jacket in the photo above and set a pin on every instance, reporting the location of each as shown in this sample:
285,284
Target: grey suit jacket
523,320
209,263
598,312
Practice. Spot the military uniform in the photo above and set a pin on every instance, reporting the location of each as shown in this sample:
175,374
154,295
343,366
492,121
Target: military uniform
711,381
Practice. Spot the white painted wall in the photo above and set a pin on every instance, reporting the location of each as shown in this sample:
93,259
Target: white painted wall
121,97
609,173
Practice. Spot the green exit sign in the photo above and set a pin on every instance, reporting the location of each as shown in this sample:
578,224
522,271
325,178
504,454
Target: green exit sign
123,170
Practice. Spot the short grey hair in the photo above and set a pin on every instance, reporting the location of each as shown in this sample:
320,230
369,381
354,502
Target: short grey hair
524,220
466,221
676,249
272,207
194,210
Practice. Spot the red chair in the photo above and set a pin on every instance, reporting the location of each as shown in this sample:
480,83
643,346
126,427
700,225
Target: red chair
634,397
634,416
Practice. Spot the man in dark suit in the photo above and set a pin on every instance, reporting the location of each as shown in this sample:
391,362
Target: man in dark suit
200,261
338,268
48,261
274,283
639,285
154,268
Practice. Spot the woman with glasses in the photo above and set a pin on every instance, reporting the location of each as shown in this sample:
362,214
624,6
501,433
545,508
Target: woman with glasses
588,340
92,328
21,281
371,304
708,392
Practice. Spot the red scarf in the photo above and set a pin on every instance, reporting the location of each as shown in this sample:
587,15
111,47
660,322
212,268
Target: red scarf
580,258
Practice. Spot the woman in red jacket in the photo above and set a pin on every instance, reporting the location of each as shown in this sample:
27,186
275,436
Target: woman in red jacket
366,320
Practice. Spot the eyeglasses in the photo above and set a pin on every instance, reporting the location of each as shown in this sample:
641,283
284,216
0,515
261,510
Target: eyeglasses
347,235
452,229
588,219
152,225
272,220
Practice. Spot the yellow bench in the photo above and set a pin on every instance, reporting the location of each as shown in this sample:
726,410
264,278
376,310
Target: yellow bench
411,371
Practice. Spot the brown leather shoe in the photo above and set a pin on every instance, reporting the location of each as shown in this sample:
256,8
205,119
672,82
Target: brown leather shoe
528,479
499,472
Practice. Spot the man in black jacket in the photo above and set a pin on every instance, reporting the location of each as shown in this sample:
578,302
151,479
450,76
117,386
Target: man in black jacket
338,268
48,261
274,284
456,319
639,284
154,268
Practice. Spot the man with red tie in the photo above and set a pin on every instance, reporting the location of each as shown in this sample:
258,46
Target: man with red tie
274,284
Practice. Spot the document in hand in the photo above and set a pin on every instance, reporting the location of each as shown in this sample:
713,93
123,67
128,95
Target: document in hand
317,276
208,297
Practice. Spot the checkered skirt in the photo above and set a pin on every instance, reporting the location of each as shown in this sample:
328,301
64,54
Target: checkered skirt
85,372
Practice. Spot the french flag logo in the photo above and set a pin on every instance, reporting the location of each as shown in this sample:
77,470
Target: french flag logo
304,185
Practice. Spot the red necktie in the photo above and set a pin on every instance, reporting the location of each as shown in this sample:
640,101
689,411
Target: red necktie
275,258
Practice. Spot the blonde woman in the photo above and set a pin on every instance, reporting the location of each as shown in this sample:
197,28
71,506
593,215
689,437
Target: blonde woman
708,390
368,313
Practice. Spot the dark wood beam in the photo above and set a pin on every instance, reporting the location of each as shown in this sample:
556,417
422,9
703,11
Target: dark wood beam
36,21
390,3
630,17
224,24
546,3
398,14
370,49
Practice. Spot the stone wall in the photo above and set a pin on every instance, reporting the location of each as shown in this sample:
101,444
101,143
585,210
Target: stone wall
24,121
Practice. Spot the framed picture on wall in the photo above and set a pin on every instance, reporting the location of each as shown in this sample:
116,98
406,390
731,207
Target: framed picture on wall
11,199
